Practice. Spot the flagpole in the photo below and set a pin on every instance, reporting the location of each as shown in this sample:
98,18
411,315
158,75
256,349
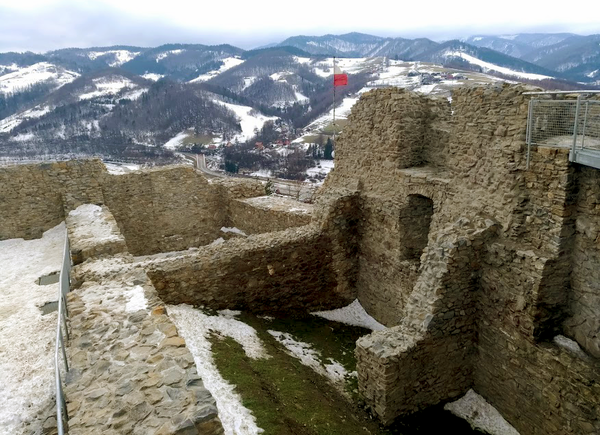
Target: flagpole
333,100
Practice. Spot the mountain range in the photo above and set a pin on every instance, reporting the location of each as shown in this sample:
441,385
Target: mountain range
112,99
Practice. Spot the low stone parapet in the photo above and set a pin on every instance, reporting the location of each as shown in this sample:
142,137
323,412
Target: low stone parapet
93,232
266,214
290,270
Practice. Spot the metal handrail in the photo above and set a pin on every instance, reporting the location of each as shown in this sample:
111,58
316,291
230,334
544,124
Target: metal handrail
560,118
583,91
63,313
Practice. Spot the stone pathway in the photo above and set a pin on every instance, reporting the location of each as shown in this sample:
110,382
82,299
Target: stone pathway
131,372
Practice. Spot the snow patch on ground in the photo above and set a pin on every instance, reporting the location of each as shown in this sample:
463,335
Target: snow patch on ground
228,63
323,168
27,337
152,76
570,345
118,169
195,327
92,225
490,66
136,300
310,357
425,89
262,173
480,414
353,314
177,141
33,74
233,230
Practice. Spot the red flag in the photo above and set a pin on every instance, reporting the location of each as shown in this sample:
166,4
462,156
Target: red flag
339,78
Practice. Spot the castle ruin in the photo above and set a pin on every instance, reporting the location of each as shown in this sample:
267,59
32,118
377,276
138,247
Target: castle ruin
430,218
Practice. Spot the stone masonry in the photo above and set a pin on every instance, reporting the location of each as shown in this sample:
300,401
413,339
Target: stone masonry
130,370
508,262
485,272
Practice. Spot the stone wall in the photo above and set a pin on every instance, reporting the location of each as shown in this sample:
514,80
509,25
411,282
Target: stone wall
37,197
290,270
265,214
519,286
539,387
583,323
165,209
93,233
429,357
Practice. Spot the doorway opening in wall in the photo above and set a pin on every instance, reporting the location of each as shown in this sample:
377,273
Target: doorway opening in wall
415,220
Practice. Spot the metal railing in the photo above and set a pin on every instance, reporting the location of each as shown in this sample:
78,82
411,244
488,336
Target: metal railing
569,123
63,313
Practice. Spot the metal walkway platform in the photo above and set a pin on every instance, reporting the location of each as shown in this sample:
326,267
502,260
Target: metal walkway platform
566,123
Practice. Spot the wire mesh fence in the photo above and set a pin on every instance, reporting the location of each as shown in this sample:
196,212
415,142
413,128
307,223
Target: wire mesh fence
564,123
573,123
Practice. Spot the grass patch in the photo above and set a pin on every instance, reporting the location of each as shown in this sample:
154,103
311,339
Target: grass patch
287,397
202,139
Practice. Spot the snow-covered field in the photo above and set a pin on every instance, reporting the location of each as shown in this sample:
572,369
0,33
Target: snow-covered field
491,67
27,337
120,56
105,86
323,168
10,122
177,141
33,74
165,54
152,76
250,119
228,63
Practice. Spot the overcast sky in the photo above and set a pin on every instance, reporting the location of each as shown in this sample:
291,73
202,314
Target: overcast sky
41,25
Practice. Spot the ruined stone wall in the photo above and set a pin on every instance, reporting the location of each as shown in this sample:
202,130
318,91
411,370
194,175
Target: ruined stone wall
394,146
539,387
36,197
165,209
130,371
171,208
429,357
583,323
266,214
277,272
523,285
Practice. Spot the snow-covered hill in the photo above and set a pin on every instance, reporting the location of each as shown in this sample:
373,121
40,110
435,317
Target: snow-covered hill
487,66
228,63
250,119
113,58
40,72
109,86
